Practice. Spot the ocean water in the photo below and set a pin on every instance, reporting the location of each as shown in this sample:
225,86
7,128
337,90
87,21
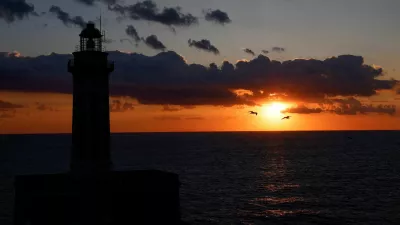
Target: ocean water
244,178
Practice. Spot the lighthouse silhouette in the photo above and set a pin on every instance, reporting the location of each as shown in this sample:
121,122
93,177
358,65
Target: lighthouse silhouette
91,115
92,192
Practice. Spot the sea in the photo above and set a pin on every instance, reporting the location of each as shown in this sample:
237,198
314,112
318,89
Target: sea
243,177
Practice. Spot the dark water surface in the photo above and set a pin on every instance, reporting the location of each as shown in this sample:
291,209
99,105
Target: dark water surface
244,178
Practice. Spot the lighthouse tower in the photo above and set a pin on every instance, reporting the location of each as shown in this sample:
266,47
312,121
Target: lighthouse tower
91,115
92,193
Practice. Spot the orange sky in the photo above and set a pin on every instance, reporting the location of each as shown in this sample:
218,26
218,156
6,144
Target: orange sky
56,116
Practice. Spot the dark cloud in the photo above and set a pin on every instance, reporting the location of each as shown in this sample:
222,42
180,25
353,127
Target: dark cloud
278,49
132,32
168,108
167,79
92,2
347,106
217,16
66,18
8,106
120,106
265,51
153,42
205,45
249,51
148,10
11,10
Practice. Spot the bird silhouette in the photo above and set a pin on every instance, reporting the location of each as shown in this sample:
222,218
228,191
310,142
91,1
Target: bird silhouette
252,112
286,118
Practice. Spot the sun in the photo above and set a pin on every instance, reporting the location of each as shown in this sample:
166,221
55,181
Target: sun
274,109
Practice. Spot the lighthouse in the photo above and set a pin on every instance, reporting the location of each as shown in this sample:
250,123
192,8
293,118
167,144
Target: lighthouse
90,69
92,192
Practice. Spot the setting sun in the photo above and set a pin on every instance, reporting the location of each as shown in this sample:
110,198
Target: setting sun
274,109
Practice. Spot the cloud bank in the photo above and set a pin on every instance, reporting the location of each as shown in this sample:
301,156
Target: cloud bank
167,79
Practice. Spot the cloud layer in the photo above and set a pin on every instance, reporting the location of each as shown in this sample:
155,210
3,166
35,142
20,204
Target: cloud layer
166,79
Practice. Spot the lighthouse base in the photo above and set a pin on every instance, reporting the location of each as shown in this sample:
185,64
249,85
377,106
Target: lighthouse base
126,197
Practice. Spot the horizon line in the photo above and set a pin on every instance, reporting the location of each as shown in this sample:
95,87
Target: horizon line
254,131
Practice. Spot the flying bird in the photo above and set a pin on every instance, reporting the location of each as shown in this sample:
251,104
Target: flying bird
252,112
286,118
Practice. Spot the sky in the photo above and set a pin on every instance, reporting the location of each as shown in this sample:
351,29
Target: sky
185,65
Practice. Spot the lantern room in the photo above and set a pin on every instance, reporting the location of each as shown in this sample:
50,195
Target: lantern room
91,39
